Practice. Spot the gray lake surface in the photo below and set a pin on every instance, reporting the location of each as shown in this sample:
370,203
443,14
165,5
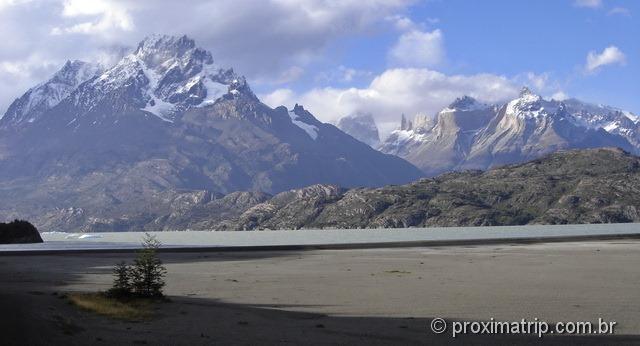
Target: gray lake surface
189,239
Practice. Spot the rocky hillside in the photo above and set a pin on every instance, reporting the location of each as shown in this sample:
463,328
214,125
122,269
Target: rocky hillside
581,186
471,135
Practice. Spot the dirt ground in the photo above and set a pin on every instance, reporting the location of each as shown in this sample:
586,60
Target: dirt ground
365,296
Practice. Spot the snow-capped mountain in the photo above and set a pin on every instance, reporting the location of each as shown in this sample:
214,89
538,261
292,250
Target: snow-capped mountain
45,96
362,127
170,74
164,130
470,135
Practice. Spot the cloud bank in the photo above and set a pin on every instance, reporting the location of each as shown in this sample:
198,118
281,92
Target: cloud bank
265,40
609,56
394,92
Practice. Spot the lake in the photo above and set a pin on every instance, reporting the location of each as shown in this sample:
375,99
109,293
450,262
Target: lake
188,239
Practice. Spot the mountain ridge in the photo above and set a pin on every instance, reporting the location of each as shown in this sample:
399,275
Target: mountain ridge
162,125
577,186
471,135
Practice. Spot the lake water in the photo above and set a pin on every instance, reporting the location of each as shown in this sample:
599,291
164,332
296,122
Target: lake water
131,240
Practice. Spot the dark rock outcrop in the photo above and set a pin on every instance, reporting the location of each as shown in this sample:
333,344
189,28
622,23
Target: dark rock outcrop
19,232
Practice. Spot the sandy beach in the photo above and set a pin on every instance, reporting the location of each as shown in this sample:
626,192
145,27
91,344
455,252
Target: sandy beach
359,296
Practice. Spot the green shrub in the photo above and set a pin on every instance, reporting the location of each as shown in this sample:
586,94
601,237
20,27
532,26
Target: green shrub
145,277
147,272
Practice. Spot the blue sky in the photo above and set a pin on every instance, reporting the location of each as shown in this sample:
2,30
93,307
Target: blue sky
550,39
385,57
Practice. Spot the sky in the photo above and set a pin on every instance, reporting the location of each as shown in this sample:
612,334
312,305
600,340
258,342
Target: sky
384,57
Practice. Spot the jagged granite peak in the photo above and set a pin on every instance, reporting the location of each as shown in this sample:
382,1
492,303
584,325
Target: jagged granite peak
155,50
164,76
530,105
471,135
405,125
361,126
305,121
423,122
44,96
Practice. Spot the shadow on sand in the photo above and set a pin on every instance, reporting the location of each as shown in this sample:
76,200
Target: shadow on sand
35,312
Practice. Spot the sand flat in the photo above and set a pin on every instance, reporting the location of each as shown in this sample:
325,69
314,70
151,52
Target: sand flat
571,281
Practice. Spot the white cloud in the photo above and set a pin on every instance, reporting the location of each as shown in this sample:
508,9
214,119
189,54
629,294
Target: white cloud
104,17
588,3
560,96
402,23
7,3
610,55
289,75
259,39
17,75
342,75
418,49
396,91
544,84
622,11
279,97
537,81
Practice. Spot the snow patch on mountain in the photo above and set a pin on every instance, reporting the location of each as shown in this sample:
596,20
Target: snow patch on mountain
404,136
469,135
530,106
47,95
311,130
215,91
170,74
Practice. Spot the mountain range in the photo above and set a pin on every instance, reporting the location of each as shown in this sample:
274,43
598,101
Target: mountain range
121,147
166,139
471,135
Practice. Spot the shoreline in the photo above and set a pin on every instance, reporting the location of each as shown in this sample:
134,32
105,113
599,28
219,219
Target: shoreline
347,246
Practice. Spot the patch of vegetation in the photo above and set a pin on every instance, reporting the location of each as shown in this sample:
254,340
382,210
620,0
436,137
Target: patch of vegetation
129,309
135,287
145,277
397,272
19,232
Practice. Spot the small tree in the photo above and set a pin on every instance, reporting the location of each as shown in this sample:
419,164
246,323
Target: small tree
121,281
147,273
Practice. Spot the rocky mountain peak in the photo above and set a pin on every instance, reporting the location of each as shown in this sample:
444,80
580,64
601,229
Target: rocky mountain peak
405,125
361,126
298,109
74,72
525,91
529,105
465,103
523,128
48,94
164,76
158,50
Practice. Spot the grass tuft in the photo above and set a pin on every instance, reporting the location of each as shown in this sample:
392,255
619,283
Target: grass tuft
397,272
129,309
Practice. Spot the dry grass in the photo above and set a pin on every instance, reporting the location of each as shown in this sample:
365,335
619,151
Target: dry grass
134,309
